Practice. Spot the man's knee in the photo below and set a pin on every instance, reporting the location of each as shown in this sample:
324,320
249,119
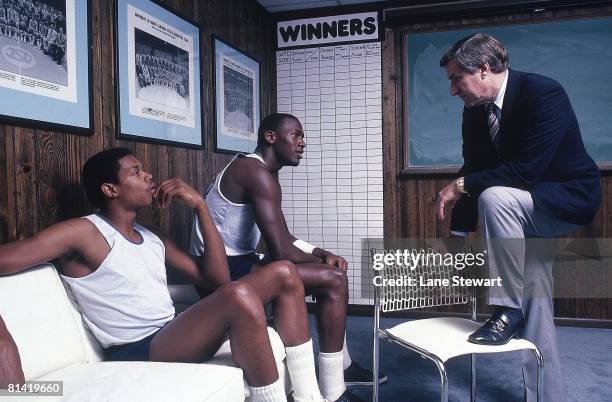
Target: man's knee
242,300
287,275
494,200
489,199
337,282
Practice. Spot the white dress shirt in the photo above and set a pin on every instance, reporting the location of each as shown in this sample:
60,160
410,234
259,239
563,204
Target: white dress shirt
499,102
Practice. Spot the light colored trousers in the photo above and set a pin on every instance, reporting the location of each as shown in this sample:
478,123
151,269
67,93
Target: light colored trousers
525,268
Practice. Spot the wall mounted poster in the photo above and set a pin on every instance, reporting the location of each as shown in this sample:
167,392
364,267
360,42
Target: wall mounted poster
159,75
45,77
237,103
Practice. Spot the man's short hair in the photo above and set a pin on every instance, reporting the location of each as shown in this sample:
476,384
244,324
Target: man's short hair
99,169
271,122
476,50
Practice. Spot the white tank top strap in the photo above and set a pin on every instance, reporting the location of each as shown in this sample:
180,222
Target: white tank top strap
109,232
256,156
217,181
106,230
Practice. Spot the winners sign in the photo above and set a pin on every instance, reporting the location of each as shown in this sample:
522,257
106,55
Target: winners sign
339,28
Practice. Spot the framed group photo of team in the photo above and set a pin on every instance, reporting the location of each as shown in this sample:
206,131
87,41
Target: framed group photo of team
158,75
237,99
45,64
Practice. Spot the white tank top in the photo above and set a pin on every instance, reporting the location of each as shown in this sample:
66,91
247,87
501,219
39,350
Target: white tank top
126,299
235,222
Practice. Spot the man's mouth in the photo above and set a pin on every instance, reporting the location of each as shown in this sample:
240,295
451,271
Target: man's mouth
300,154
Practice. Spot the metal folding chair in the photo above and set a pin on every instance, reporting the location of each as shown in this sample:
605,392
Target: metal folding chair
437,339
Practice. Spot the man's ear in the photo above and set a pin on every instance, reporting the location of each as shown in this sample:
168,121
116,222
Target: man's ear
484,70
109,190
270,136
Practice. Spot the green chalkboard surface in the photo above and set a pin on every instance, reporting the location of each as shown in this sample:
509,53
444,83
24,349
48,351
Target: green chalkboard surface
577,53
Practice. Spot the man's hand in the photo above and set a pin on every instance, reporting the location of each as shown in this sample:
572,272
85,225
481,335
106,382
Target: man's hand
10,364
447,197
179,189
331,258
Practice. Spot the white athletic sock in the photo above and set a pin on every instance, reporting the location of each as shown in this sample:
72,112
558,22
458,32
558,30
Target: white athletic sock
301,367
274,392
346,356
331,375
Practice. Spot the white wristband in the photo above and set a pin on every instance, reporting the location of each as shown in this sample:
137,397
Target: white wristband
305,247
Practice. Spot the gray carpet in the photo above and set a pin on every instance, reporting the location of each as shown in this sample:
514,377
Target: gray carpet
586,354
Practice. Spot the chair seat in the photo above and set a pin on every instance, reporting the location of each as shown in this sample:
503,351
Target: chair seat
446,337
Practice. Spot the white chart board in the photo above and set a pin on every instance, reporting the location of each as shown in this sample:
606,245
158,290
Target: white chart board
334,198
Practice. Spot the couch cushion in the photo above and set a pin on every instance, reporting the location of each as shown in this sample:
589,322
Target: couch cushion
149,382
38,315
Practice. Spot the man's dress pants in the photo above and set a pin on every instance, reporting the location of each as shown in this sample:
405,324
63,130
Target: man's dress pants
525,267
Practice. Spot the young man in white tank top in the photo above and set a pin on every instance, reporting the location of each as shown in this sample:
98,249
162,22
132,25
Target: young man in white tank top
245,199
109,251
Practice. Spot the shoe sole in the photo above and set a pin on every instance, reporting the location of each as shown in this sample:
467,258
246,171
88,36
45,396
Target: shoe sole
381,380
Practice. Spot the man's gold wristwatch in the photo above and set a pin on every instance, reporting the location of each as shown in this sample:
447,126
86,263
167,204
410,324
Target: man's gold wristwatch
459,183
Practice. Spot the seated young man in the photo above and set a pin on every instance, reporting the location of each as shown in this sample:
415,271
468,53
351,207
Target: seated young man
245,202
116,269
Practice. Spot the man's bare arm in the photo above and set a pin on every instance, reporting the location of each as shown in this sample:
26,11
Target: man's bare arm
10,363
49,244
265,194
210,270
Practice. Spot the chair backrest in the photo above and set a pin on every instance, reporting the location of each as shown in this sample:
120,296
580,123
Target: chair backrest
41,320
418,287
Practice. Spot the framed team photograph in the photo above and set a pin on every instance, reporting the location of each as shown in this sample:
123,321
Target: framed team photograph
158,70
237,102
45,64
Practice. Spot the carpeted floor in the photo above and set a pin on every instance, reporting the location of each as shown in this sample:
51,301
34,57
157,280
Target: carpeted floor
586,354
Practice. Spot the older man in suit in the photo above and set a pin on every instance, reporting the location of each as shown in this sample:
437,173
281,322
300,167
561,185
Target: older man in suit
526,174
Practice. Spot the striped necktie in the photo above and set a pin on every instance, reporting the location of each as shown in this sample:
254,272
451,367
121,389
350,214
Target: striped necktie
493,121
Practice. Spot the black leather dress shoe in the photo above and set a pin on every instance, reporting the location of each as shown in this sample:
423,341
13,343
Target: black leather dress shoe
499,328
355,374
348,396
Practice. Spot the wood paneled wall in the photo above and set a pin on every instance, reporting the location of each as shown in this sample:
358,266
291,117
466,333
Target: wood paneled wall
39,170
409,200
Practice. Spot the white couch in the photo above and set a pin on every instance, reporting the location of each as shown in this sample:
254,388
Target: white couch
55,345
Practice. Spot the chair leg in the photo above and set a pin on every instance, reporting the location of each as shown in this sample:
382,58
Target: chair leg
375,363
443,380
473,386
375,358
